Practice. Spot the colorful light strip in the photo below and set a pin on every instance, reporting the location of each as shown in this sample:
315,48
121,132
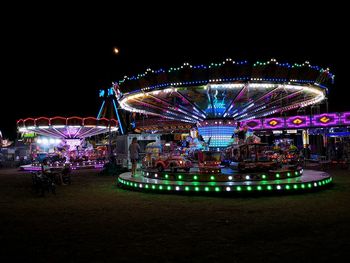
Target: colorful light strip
345,118
297,121
274,123
229,61
293,122
275,187
326,119
73,127
254,124
217,136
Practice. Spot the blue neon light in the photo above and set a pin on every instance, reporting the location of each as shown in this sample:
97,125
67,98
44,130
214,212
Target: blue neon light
101,93
110,92
119,122
220,136
99,113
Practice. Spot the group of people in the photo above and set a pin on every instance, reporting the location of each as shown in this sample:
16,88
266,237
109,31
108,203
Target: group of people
47,171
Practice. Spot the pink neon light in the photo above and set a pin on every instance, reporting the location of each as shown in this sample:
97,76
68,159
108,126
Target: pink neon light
345,118
305,121
42,121
75,121
58,121
30,120
269,123
333,119
250,124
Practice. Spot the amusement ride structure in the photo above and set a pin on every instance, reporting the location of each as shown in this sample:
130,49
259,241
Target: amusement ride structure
67,128
218,98
67,134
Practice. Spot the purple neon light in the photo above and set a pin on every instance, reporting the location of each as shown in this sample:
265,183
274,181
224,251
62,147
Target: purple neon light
254,124
305,121
345,118
280,123
333,119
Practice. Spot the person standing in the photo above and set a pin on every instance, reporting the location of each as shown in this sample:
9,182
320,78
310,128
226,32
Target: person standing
134,150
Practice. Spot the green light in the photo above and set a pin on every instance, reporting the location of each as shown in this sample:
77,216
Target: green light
287,187
277,175
269,187
179,177
239,188
206,189
288,174
309,185
323,183
160,187
249,188
195,177
295,186
212,178
319,183
135,184
187,188
303,186
196,189
153,187
263,176
168,187
166,176
259,188
146,186
296,172
217,189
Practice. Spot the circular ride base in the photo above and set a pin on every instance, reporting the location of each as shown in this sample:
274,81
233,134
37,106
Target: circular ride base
279,181
59,166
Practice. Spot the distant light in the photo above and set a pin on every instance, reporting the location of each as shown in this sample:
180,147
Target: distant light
116,50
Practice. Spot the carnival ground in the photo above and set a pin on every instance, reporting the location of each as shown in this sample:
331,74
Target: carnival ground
93,220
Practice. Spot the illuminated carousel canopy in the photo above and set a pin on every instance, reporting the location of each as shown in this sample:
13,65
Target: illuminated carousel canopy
68,128
238,90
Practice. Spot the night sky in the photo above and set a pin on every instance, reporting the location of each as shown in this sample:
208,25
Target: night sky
55,63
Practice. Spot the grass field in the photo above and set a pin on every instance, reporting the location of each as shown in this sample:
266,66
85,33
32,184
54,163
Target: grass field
92,220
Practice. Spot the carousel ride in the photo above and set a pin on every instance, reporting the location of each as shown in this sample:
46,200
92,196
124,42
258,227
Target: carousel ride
63,141
216,99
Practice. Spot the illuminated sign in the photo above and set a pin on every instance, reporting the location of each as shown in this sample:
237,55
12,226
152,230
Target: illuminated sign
297,121
101,93
253,124
271,123
345,118
277,132
28,135
327,119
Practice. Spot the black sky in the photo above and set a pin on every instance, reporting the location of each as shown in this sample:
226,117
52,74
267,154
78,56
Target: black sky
53,63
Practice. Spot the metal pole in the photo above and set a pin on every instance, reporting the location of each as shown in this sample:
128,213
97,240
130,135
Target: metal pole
109,141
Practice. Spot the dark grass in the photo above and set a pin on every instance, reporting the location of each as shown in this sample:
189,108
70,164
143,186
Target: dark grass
92,220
